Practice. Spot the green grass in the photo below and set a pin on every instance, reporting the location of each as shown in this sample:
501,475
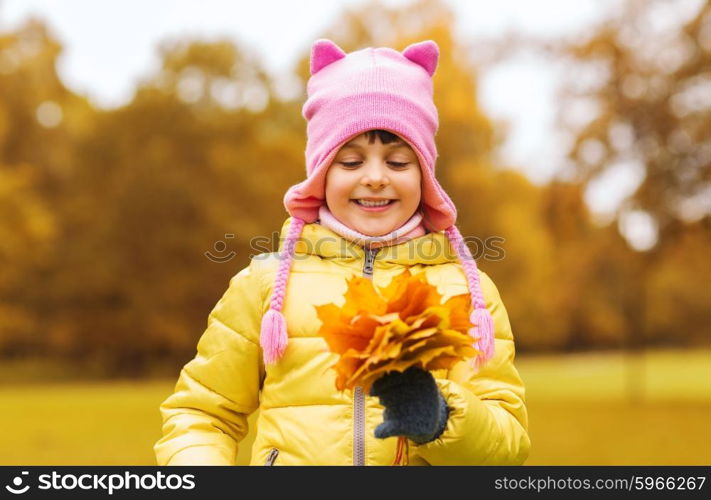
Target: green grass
616,433
81,423
612,409
580,413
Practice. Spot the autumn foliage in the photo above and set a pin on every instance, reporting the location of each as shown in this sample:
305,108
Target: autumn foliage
403,325
107,215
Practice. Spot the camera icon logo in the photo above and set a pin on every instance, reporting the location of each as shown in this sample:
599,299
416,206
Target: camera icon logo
220,247
16,487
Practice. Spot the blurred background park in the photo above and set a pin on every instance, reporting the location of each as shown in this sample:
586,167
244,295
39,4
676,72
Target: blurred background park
107,210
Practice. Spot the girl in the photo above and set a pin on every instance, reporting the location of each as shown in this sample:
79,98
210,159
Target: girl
371,206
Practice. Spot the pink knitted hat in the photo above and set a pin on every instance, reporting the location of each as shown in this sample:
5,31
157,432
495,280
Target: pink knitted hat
348,94
381,88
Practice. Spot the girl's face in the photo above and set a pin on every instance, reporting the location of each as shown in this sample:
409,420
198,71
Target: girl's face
376,172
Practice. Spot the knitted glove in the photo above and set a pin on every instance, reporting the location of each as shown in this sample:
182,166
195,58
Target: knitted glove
414,406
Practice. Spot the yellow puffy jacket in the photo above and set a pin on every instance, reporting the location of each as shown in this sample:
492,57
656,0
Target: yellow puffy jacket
303,419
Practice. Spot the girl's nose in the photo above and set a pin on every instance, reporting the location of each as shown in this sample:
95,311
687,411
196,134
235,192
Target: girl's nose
375,175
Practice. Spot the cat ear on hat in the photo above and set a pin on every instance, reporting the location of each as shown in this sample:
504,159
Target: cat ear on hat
425,53
323,53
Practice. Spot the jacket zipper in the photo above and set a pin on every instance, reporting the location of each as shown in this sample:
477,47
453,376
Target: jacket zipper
272,456
359,397
369,262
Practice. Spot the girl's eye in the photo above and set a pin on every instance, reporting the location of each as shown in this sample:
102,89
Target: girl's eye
396,164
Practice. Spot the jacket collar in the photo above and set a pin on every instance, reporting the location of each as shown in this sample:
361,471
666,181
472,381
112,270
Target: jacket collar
315,239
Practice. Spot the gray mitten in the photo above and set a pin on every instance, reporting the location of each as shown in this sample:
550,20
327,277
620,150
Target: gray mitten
414,406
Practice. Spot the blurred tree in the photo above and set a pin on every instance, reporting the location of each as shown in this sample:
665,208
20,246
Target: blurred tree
138,194
646,75
590,264
182,173
27,231
677,293
39,119
643,78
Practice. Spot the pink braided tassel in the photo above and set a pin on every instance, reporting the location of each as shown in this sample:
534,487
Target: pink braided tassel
484,332
273,337
483,323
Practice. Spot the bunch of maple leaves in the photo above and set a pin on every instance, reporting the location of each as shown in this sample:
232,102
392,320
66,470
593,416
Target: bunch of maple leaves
403,325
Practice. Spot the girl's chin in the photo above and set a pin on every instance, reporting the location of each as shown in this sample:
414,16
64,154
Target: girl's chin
370,227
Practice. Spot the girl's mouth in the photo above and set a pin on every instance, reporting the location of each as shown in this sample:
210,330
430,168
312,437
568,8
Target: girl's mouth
373,206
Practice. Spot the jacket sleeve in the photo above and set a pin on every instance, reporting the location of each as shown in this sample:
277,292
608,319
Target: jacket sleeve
488,421
206,416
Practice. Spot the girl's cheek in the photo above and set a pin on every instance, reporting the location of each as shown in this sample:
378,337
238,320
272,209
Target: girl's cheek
343,198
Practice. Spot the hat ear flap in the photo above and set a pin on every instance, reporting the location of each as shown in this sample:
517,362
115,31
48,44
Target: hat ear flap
425,53
323,53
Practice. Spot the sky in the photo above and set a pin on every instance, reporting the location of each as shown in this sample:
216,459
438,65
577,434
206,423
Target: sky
109,46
